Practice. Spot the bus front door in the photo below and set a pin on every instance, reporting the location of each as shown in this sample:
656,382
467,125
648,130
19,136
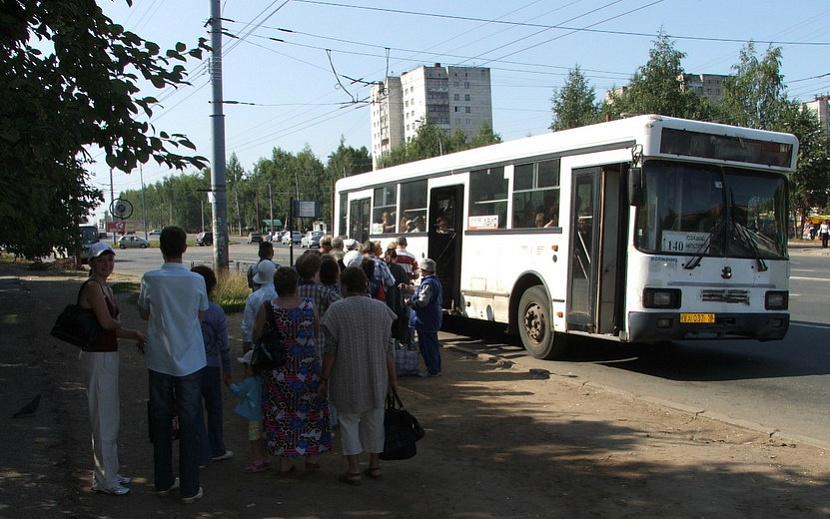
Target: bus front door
444,229
596,237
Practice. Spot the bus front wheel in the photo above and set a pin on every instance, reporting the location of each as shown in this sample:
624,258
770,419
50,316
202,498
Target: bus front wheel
536,325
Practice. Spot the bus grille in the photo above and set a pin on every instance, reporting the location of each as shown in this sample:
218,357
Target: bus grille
725,296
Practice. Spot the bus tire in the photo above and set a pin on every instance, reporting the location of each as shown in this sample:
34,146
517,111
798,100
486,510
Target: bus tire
536,325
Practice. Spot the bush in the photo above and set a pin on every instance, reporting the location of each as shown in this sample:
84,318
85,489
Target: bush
232,292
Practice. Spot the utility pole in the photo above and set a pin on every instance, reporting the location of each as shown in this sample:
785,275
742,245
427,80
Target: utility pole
271,210
112,203
143,200
218,174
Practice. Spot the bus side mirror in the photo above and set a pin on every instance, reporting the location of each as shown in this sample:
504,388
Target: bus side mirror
635,186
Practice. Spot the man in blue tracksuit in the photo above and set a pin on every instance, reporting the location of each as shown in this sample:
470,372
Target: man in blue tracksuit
427,316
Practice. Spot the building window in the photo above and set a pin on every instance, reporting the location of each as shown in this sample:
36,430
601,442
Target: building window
456,97
536,195
467,110
467,85
466,97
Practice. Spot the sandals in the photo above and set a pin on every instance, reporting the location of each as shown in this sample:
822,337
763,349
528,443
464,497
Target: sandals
288,471
373,472
350,478
257,466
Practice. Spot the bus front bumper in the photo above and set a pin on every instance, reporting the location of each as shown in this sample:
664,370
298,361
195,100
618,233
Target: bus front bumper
666,326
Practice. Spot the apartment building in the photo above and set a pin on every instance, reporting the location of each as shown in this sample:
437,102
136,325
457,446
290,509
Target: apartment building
709,86
821,107
443,96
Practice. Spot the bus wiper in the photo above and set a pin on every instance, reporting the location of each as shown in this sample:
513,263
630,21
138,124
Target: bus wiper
749,242
698,255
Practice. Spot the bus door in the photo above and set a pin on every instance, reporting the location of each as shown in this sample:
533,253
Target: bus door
597,230
444,233
360,219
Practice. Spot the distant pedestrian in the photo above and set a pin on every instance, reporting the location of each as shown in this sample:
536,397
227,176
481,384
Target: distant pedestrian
427,316
406,259
264,279
266,253
174,301
824,233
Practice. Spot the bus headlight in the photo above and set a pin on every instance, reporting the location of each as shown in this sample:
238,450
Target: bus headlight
777,300
661,298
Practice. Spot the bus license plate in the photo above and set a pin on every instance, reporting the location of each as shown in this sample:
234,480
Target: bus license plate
697,318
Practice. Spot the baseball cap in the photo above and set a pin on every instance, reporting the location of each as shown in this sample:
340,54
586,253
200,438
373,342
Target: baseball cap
265,270
427,265
100,248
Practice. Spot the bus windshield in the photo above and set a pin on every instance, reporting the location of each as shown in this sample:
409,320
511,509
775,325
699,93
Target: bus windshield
707,210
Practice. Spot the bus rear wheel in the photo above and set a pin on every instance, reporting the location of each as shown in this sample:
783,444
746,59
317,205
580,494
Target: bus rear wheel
536,325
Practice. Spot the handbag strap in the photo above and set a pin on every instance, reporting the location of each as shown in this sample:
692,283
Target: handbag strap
81,289
393,401
272,320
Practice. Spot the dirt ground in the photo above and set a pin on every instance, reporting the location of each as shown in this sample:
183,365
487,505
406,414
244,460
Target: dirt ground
501,441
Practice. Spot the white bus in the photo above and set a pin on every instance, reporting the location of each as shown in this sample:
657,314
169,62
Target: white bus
641,230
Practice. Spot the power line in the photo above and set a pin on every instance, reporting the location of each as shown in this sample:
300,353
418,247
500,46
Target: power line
560,27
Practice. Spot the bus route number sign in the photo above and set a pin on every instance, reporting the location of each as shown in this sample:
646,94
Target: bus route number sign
683,241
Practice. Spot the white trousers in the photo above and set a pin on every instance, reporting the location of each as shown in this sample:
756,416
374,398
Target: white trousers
361,431
101,370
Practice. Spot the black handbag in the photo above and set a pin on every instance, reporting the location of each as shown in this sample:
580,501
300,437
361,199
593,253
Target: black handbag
401,430
270,351
77,325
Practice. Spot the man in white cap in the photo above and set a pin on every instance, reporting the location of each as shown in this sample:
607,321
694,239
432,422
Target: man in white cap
427,316
264,280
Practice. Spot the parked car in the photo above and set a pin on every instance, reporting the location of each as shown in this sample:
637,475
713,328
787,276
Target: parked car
291,236
205,238
155,232
312,239
254,237
132,241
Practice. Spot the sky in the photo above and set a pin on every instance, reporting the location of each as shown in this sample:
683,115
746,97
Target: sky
297,73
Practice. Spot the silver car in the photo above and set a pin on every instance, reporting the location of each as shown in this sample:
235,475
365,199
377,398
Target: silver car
132,241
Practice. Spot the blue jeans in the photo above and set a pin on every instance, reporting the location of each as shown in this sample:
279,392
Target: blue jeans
430,351
168,395
212,439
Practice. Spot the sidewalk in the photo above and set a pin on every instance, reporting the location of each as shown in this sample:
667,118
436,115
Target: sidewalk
501,442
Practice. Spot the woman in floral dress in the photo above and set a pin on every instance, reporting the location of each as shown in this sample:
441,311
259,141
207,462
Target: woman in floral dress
295,416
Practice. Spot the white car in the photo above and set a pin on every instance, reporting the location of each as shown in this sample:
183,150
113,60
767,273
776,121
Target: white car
132,241
312,239
291,236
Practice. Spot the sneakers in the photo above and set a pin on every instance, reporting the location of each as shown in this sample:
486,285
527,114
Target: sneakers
193,499
117,490
228,455
173,487
425,374
124,480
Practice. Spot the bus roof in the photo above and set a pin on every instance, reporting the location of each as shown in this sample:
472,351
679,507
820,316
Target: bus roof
620,133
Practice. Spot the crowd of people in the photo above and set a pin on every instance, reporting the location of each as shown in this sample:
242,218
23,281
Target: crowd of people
341,315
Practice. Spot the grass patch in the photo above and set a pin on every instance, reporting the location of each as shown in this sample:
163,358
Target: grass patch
232,292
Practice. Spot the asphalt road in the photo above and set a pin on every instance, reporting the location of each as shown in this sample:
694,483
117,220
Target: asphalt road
774,386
